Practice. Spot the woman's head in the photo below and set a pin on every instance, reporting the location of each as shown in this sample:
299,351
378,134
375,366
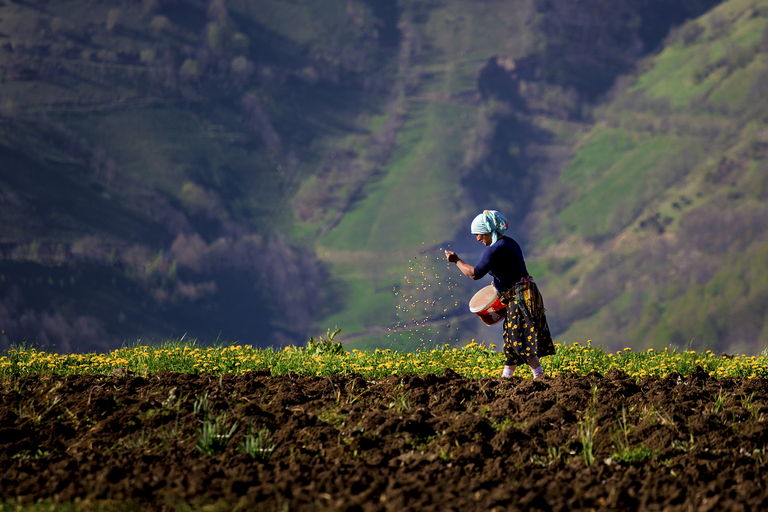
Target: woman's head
490,222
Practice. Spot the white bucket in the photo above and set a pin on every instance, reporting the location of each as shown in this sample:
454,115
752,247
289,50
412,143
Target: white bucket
487,305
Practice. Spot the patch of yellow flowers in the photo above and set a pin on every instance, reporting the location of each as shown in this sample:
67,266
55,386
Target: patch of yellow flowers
473,360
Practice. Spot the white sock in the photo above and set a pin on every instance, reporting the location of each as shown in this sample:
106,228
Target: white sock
508,370
537,372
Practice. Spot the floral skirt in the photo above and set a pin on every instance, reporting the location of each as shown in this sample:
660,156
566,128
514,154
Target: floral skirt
526,333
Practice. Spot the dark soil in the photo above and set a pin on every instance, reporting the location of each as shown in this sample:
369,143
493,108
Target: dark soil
409,442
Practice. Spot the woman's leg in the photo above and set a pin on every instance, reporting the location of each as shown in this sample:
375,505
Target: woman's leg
509,370
536,368
510,360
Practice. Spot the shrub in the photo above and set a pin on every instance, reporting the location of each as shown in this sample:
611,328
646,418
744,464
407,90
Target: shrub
690,32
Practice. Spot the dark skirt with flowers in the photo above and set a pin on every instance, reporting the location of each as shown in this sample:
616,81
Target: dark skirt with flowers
526,333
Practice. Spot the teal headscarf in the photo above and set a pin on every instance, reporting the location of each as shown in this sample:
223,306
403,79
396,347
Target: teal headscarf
490,221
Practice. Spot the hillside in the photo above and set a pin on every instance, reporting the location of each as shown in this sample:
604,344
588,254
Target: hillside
516,117
149,154
663,225
232,170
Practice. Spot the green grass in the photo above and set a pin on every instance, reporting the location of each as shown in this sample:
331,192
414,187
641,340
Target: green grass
734,92
737,296
630,178
84,505
673,73
372,304
635,455
473,360
671,77
598,153
415,201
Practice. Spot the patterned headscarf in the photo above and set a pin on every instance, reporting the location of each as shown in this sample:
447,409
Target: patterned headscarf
490,221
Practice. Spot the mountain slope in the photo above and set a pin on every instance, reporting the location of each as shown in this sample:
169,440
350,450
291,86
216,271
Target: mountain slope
150,150
255,171
666,196
500,125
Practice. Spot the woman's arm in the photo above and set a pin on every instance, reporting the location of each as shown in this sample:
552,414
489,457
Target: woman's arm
466,269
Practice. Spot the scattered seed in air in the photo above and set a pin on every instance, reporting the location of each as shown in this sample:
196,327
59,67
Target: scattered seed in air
421,292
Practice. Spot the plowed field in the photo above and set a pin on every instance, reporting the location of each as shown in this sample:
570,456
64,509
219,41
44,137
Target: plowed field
407,442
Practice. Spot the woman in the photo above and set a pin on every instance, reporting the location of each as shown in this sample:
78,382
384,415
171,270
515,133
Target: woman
526,333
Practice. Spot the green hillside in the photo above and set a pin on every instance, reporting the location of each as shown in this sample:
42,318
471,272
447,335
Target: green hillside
503,141
260,171
666,197
150,151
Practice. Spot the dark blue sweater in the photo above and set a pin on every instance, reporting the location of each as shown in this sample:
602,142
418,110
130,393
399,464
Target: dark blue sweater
504,261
